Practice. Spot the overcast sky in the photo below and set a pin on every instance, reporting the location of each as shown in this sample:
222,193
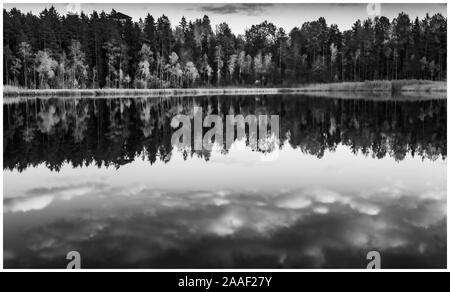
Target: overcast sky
242,16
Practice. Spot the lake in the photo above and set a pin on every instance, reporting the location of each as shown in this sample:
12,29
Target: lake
347,176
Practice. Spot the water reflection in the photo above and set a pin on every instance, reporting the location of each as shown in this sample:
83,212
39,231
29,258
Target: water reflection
116,131
144,228
350,176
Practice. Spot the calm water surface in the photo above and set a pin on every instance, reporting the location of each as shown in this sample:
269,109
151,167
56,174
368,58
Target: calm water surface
101,177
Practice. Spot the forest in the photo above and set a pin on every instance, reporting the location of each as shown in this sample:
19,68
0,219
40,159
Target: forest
104,50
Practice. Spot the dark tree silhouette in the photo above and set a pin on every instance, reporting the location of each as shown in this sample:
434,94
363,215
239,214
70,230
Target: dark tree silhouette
113,132
193,54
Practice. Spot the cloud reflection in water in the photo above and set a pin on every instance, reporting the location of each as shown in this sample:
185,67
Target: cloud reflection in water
304,228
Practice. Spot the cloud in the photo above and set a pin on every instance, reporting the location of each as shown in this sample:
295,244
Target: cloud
200,229
27,204
293,201
365,208
40,198
321,210
245,8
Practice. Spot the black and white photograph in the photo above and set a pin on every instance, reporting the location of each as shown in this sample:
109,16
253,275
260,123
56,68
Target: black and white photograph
257,136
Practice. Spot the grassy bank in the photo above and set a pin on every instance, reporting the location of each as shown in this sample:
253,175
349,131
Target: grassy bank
389,87
395,86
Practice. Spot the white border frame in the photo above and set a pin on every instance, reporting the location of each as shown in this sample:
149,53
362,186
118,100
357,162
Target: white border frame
213,270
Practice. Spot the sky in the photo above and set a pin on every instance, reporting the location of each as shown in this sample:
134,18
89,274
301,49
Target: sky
241,16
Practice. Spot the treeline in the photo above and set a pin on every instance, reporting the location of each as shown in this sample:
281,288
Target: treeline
111,51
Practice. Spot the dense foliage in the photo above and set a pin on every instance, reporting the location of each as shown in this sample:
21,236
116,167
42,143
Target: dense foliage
110,50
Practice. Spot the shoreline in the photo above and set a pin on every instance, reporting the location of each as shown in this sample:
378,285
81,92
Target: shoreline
407,87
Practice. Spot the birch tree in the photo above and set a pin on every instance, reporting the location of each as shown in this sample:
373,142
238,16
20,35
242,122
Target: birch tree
25,54
191,73
232,65
45,67
146,59
78,68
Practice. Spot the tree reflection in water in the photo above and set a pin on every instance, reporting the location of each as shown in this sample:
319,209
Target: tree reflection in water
113,132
